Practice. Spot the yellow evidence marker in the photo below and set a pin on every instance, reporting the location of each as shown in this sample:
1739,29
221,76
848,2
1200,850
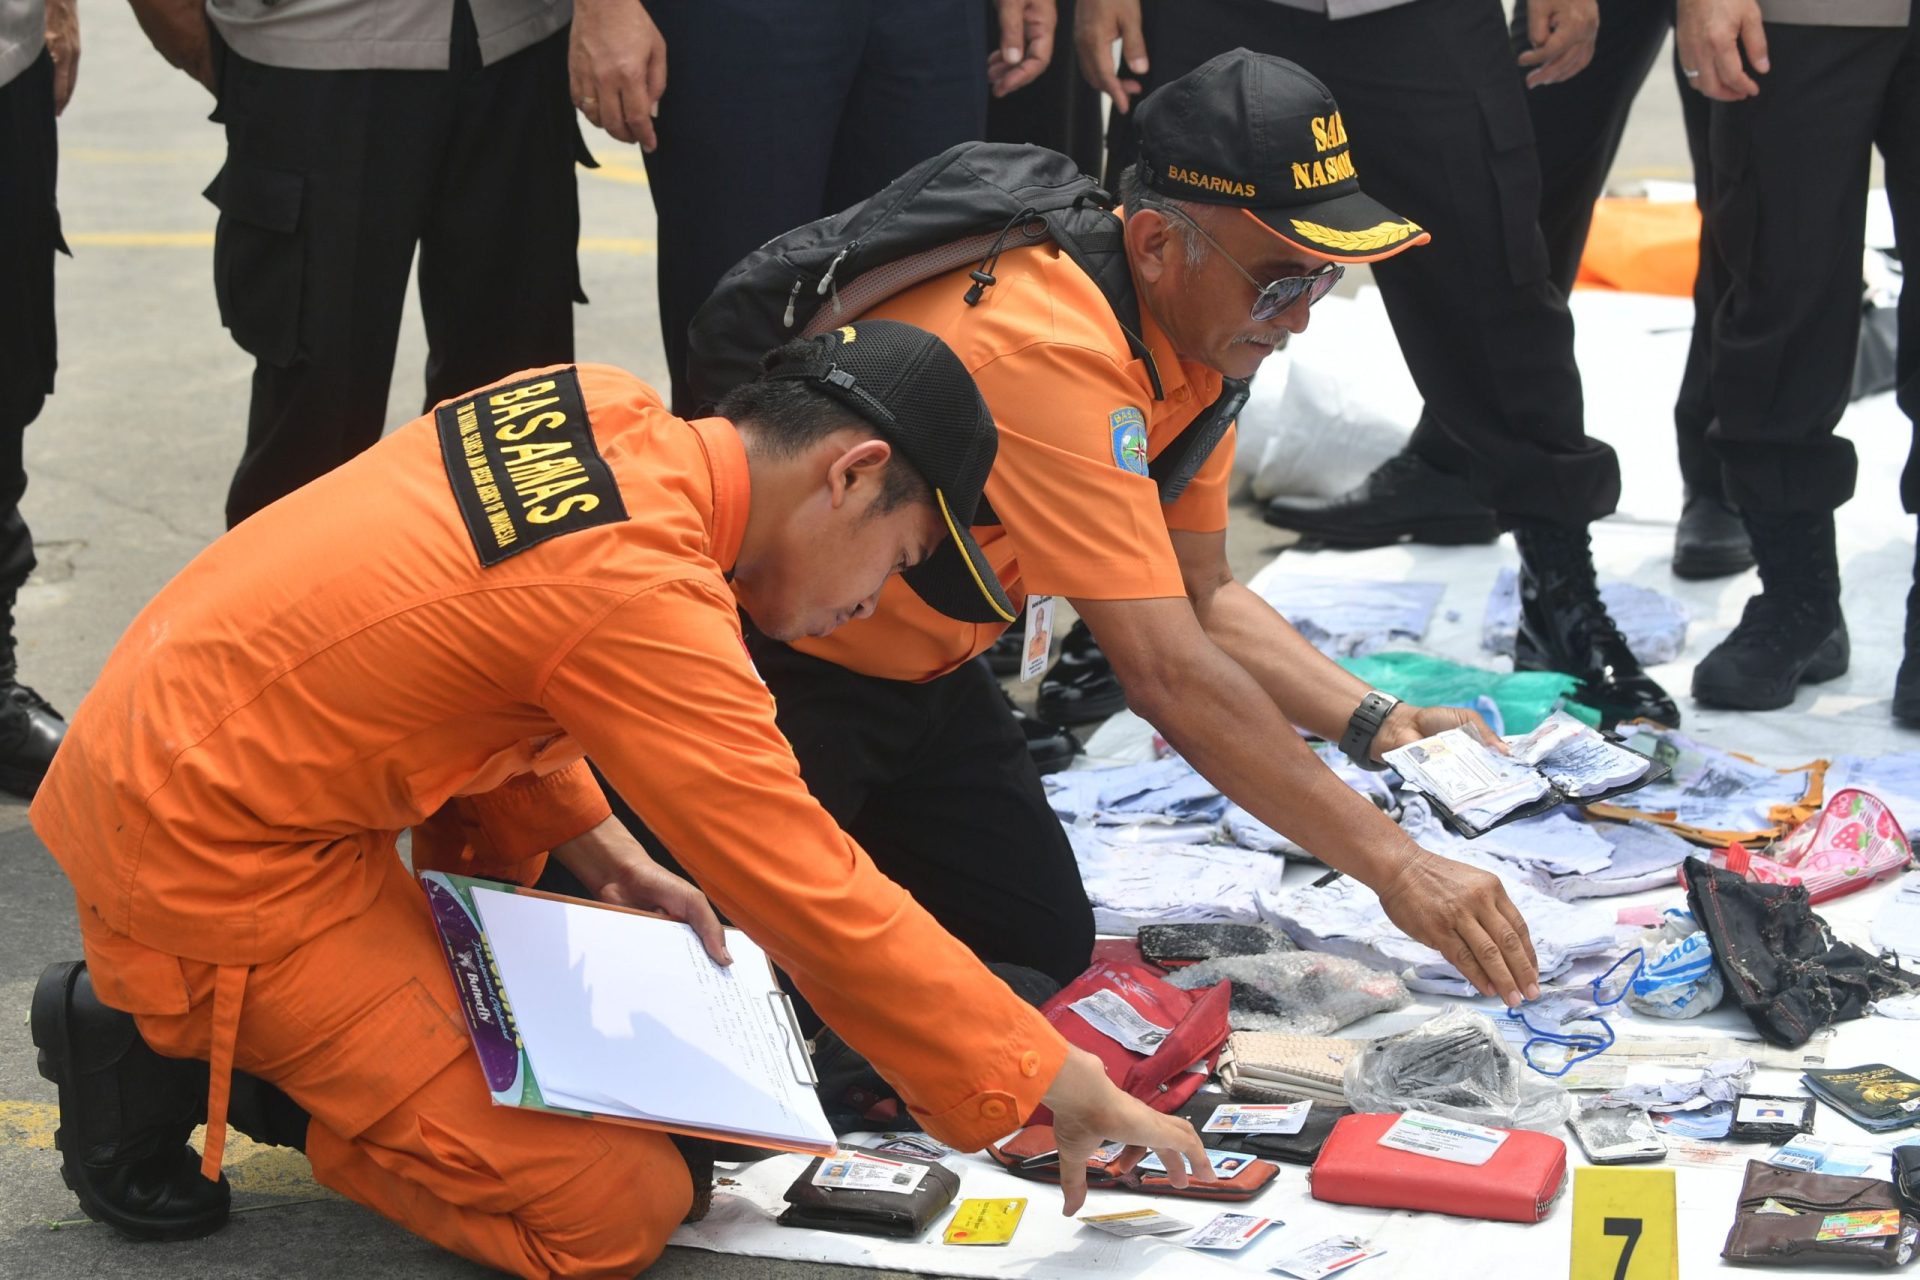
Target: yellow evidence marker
984,1221
1625,1226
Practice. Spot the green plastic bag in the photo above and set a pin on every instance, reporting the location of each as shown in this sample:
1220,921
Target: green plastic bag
1525,698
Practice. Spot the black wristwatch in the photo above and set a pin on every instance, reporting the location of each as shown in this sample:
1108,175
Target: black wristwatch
1357,741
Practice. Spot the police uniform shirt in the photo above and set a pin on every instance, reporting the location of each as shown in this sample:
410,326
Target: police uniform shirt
367,35
23,33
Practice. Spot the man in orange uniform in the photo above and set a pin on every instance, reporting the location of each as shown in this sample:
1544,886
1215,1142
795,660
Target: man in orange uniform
1245,203
430,637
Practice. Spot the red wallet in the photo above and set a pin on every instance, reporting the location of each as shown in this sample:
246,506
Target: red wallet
1024,1155
1519,1183
1193,1024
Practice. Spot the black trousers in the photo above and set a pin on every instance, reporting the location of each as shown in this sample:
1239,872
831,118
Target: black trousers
778,112
29,237
1059,110
935,782
1438,116
1790,172
332,179
1577,127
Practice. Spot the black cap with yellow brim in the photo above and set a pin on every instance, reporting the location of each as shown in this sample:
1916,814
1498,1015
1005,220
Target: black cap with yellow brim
910,386
1263,135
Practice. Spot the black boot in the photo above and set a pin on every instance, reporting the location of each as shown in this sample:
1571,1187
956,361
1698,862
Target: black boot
30,729
1564,627
266,1114
1051,746
1004,658
1710,541
1906,685
1080,688
1793,631
1404,499
125,1114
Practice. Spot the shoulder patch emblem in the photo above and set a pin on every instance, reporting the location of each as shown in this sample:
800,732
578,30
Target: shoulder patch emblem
524,466
1129,427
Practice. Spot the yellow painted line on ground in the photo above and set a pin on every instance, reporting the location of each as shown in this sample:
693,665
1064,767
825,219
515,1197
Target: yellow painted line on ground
278,1173
619,171
624,246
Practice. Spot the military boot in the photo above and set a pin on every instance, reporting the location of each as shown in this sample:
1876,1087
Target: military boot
1792,632
30,729
1080,687
125,1115
1564,627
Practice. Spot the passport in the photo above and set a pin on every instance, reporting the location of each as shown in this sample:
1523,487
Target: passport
1875,1096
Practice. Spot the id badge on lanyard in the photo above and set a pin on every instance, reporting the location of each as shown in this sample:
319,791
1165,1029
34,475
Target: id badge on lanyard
1038,643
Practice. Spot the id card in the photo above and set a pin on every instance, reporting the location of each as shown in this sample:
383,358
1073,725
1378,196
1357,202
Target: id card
1336,1253
861,1171
1258,1117
1136,1222
984,1221
1226,1164
1859,1226
1443,1139
1230,1232
1038,642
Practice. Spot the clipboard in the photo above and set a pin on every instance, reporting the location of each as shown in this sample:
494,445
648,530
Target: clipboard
505,1066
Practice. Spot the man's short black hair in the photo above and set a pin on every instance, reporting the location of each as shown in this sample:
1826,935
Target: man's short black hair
787,417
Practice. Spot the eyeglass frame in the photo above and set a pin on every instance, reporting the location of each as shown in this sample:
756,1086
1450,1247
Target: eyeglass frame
1272,292
1582,1045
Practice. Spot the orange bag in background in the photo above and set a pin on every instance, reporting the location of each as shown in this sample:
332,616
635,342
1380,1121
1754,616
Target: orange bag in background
1642,246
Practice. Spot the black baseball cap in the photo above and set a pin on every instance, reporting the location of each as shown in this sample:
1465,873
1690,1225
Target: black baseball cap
910,386
1262,134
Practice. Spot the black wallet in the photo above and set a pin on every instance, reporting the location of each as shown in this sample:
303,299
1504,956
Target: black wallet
871,1213
1287,1148
1906,1175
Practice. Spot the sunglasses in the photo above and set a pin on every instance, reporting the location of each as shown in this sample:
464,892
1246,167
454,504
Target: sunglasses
1269,300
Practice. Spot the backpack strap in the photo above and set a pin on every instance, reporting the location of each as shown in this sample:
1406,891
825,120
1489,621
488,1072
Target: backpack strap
1182,459
1095,239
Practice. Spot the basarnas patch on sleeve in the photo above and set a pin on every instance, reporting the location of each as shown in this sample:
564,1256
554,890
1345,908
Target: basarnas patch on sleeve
524,466
1129,439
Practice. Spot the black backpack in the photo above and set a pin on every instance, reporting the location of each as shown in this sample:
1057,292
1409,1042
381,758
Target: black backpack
966,205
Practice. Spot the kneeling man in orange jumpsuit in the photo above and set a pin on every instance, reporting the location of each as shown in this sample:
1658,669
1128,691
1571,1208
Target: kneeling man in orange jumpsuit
432,638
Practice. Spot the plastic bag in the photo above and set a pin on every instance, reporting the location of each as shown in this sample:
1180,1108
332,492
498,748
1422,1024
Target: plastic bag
1297,992
1679,979
1455,1065
1525,698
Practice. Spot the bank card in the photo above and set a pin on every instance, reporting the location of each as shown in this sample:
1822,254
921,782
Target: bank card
1136,1222
1230,1231
985,1221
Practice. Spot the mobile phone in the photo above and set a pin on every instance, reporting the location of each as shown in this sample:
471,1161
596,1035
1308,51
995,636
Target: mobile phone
1617,1135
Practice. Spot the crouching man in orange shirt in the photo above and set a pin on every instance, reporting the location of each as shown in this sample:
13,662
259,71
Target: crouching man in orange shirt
431,638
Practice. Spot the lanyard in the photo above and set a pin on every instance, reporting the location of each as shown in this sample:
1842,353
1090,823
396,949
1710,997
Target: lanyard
1576,1038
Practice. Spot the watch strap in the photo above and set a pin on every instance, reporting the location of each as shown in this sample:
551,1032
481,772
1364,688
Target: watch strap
1364,726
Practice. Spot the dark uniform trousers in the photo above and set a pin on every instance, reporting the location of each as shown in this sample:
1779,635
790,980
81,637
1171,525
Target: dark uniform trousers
29,237
331,180
1577,127
1787,212
778,112
1438,116
935,782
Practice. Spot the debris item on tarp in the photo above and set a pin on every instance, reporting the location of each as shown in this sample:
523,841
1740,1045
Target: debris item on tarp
1645,856
1134,884
1679,979
1714,797
1296,992
1780,960
1455,1065
1524,698
1349,617
1854,841
1897,927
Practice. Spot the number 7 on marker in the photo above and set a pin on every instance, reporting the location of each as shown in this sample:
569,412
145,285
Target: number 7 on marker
1630,1228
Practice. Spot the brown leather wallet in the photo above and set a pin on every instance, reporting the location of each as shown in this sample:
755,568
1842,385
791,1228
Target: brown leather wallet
871,1213
1024,1154
1787,1217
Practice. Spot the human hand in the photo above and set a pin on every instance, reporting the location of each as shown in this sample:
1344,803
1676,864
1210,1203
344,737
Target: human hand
1026,44
63,45
1562,33
1089,1109
1096,25
178,30
1408,723
1710,35
616,869
617,68
1464,913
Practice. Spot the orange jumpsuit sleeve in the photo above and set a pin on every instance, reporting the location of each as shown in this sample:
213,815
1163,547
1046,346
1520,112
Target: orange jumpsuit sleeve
1082,525
1202,507
504,834
663,697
